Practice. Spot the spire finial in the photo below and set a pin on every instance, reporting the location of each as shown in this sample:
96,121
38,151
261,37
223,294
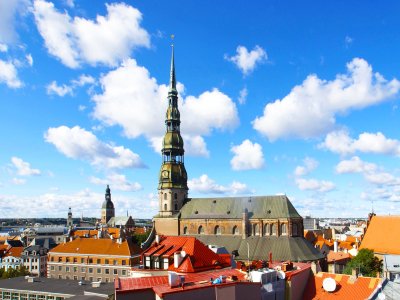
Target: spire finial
172,79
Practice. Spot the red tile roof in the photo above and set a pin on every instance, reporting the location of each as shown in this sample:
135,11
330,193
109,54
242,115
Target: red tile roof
347,287
160,285
381,235
14,251
198,256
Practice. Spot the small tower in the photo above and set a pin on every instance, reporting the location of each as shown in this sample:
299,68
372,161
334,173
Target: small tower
172,185
107,209
70,223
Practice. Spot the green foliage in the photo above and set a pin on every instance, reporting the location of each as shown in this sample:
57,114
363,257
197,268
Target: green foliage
140,238
10,273
364,263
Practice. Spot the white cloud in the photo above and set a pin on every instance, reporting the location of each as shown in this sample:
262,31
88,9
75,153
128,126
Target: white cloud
60,90
106,40
206,185
348,40
355,165
318,101
3,47
77,143
81,107
118,182
132,99
29,59
314,185
23,167
18,181
10,11
246,61
86,202
9,75
70,3
340,142
247,156
243,96
310,165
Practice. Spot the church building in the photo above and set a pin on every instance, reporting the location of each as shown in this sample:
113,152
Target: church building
107,209
250,227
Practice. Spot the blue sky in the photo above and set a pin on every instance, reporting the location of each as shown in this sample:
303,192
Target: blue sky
275,97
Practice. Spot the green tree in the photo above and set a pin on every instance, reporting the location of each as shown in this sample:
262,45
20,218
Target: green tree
364,263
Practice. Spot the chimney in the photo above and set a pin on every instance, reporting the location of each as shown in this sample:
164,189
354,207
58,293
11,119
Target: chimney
314,267
270,258
354,273
157,239
335,246
178,257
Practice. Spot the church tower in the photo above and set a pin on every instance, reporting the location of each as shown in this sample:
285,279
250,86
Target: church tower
172,184
70,223
107,209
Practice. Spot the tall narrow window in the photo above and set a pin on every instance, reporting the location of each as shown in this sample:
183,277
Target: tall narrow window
272,230
294,229
175,196
200,230
256,229
165,206
217,230
176,206
185,230
235,230
284,229
165,196
266,231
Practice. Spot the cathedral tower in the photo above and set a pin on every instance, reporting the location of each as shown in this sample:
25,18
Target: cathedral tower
172,184
107,209
70,223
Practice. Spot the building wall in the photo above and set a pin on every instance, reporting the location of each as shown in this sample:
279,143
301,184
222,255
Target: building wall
89,267
167,226
296,285
147,294
257,227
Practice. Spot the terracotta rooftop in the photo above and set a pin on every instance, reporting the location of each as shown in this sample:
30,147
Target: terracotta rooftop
198,256
14,251
97,246
347,287
338,257
160,285
381,236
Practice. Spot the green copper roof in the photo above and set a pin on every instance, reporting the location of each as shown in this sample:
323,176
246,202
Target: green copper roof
282,248
263,207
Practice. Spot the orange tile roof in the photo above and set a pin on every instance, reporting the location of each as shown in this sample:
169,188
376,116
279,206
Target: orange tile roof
338,257
199,256
347,287
15,251
97,246
383,235
84,233
346,245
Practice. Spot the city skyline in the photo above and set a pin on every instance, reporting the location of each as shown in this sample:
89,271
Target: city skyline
274,99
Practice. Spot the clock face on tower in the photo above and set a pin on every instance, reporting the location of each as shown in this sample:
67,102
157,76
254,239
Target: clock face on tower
165,174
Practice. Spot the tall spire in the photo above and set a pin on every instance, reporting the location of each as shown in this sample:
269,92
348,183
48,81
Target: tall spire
172,184
172,78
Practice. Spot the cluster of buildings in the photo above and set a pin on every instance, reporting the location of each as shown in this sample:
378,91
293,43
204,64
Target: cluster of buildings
200,248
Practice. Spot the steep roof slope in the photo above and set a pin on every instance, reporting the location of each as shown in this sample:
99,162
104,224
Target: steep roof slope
233,207
383,235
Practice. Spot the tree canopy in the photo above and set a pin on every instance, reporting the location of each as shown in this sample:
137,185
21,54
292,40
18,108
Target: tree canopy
365,263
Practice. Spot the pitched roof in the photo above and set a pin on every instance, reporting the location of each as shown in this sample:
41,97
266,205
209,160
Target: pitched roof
338,257
347,287
14,251
233,208
282,248
198,256
97,246
381,235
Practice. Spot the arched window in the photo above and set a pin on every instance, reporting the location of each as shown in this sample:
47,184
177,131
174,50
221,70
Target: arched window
256,229
165,206
176,206
294,229
235,230
200,230
283,229
165,196
185,230
266,231
217,230
175,196
272,230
